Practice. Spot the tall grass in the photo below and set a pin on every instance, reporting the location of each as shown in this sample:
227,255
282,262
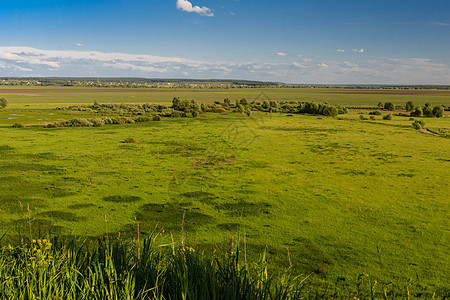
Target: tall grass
114,269
123,269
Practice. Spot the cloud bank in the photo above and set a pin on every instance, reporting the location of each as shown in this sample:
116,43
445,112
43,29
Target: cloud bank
187,6
27,61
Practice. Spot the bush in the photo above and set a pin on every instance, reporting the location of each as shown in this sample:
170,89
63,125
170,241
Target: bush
330,111
176,114
17,125
375,113
156,118
372,118
438,111
97,122
129,140
428,111
417,125
77,122
409,106
194,114
387,117
142,119
389,106
417,112
361,117
342,110
3,102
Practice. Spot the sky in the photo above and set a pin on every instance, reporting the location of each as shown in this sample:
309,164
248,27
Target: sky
303,41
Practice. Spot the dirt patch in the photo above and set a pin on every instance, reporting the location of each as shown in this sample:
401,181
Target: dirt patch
429,132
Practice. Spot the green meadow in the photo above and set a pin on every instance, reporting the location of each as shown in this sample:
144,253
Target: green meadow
23,97
330,198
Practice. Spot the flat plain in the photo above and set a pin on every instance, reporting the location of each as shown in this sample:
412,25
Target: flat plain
331,197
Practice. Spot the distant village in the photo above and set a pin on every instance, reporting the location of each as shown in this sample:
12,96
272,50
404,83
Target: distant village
188,83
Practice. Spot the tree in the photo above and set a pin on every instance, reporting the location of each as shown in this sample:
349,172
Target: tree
438,111
176,103
409,106
417,112
389,106
243,101
227,102
3,102
428,111
330,111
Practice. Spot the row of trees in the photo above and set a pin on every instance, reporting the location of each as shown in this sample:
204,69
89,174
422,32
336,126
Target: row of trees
415,111
428,111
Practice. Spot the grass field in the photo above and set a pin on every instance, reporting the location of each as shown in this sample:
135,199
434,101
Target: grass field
335,198
51,97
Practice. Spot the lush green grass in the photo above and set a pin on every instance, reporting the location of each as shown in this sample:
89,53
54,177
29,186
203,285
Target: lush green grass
335,198
146,269
46,97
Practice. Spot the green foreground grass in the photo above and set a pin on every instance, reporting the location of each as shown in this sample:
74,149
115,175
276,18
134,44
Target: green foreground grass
145,269
324,197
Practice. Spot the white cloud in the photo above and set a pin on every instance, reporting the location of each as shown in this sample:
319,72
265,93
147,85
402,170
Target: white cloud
187,6
301,66
27,61
281,54
440,23
340,50
359,50
79,45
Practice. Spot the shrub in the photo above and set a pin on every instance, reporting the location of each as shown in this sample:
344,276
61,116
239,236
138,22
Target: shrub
18,125
438,111
417,112
361,117
176,114
194,114
372,118
330,111
389,106
418,124
3,103
51,125
342,110
428,111
142,119
156,118
375,113
97,122
387,117
129,140
409,106
77,122
243,101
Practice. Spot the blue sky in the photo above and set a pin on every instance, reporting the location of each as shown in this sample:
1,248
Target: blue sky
313,41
